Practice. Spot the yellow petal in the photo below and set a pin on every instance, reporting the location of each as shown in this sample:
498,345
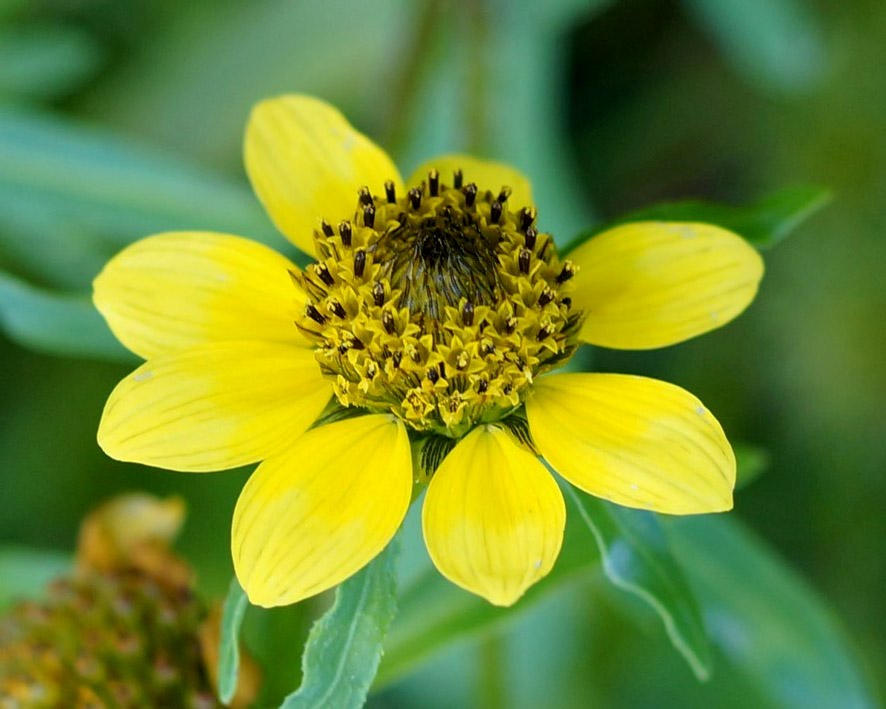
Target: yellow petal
487,174
316,514
213,407
306,163
635,441
651,284
493,517
173,291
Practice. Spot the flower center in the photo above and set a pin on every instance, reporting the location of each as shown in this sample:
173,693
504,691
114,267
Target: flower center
440,306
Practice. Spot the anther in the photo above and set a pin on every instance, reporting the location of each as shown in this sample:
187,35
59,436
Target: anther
470,194
467,314
504,194
344,228
327,228
531,237
542,334
315,315
457,179
325,275
415,197
547,295
527,216
523,260
359,263
387,320
510,325
365,196
397,358
357,344
390,192
442,368
378,294
482,386
567,272
433,376
337,308
369,215
495,212
434,183
567,301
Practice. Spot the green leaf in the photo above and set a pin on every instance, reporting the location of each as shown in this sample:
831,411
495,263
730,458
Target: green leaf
637,559
751,461
771,627
233,613
764,223
55,323
434,614
83,180
43,62
344,647
24,573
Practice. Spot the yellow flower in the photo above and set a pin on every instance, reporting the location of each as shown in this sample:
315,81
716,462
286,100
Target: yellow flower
421,331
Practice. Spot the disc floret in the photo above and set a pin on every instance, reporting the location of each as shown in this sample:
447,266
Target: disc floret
440,306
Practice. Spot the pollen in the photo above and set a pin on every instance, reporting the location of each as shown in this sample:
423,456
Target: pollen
440,305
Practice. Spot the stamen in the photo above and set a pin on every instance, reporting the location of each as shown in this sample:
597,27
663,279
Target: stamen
567,301
567,272
482,386
457,179
504,194
315,315
523,260
415,197
531,237
433,183
495,212
365,196
327,228
369,215
323,272
337,308
391,192
547,295
542,334
467,314
510,325
470,194
359,263
387,321
433,375
344,228
378,294
527,216
397,358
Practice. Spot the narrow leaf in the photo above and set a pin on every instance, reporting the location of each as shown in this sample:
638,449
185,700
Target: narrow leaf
55,323
434,614
345,646
770,625
24,573
233,613
764,223
637,559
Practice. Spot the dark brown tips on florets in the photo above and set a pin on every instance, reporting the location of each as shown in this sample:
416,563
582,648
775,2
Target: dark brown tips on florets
440,306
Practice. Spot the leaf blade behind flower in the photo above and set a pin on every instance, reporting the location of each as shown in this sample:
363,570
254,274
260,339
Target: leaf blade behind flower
345,646
55,323
770,626
233,612
636,559
763,224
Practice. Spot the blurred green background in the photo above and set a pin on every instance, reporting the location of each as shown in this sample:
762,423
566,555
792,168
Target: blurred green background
123,118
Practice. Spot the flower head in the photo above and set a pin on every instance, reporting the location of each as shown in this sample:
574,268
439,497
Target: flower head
123,629
412,351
